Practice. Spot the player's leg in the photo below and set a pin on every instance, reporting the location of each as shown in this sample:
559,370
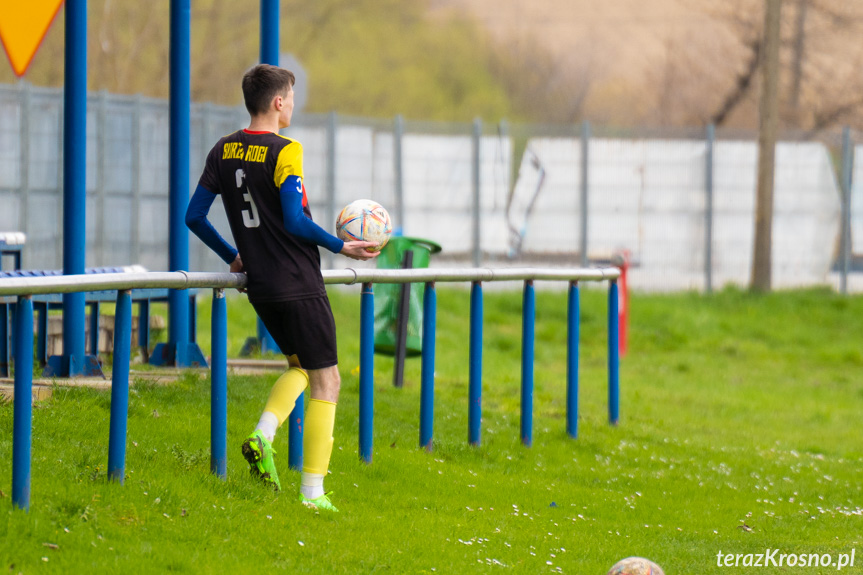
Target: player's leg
318,436
257,447
283,398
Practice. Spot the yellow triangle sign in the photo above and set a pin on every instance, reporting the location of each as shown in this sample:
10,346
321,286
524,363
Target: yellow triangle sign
23,26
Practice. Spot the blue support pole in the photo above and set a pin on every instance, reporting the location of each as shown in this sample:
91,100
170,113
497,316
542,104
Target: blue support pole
4,340
193,319
475,377
41,310
120,387
180,351
178,172
219,386
74,361
94,328
296,421
367,367
572,339
270,32
613,356
144,328
428,359
270,55
527,350
23,409
266,343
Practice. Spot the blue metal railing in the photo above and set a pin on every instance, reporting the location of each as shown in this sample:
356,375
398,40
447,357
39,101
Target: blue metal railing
124,283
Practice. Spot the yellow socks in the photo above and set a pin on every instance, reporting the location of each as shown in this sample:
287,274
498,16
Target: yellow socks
317,446
283,398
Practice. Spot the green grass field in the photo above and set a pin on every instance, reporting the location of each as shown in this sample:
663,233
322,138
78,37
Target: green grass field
739,432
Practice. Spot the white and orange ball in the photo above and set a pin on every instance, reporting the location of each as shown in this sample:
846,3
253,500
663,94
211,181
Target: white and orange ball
364,220
635,566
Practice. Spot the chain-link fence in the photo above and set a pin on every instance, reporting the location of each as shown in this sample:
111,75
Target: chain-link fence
680,202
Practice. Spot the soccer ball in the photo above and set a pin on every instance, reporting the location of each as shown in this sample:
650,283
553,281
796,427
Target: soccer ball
364,220
635,566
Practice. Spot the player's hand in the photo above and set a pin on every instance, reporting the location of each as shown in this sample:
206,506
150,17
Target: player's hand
357,250
237,268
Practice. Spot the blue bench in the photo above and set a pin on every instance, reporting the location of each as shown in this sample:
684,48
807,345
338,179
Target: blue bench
42,304
11,244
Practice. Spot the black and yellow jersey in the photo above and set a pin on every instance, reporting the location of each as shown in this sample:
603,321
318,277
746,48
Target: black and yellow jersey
248,169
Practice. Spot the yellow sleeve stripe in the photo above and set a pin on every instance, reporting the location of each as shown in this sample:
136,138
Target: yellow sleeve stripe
289,163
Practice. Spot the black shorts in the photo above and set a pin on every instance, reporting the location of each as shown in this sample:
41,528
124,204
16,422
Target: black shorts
303,327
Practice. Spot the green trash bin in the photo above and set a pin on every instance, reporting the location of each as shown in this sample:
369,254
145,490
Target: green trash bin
388,296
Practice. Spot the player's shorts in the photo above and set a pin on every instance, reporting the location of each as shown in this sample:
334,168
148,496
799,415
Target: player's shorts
303,327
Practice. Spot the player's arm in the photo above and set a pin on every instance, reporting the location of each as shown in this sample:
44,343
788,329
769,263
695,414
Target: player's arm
288,177
196,220
298,223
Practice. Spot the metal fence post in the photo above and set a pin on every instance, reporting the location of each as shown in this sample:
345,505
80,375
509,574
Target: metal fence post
475,367
270,32
120,386
22,427
367,371
136,180
847,167
94,328
101,192
4,339
178,182
475,180
572,341
398,172
528,317
708,208
428,360
585,188
74,181
613,355
24,146
219,386
332,127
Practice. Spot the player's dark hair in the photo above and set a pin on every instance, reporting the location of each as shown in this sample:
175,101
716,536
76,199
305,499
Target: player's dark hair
262,83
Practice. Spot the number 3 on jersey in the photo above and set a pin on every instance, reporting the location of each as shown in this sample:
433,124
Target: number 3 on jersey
250,217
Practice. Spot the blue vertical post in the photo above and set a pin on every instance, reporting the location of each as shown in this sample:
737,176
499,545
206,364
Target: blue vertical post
266,343
73,361
296,421
475,378
178,183
41,310
219,386
428,359
4,340
367,366
572,339
270,55
528,317
23,409
193,319
613,357
144,328
120,386
270,32
94,327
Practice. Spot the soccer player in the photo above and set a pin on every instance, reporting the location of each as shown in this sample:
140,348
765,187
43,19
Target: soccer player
259,175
